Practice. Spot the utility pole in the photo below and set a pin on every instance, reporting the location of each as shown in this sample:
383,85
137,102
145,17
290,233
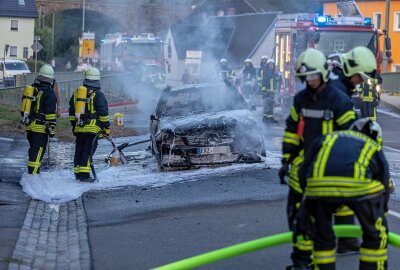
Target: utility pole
385,58
83,16
52,36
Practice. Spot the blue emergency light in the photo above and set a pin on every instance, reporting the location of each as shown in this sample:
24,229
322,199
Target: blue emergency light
367,21
322,20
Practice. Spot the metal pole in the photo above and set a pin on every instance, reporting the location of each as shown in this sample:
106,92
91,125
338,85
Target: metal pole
4,64
385,59
36,52
52,36
83,16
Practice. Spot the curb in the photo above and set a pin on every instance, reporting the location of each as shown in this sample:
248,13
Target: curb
391,106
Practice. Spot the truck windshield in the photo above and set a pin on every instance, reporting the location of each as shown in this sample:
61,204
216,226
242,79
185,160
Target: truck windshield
16,66
144,50
343,41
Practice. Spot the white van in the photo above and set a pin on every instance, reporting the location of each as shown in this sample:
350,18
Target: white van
13,67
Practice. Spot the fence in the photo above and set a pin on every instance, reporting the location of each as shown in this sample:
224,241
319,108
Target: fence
114,86
391,82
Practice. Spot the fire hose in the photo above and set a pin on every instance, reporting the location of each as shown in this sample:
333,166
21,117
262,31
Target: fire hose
262,243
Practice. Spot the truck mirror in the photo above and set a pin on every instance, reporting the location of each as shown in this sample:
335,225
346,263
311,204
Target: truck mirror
316,37
388,43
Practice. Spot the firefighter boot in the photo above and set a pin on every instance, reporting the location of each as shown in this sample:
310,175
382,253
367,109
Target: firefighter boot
299,267
85,177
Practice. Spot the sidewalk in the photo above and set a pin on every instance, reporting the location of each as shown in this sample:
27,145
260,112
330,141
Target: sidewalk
391,101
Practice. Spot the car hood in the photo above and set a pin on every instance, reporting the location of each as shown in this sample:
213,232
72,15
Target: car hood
223,119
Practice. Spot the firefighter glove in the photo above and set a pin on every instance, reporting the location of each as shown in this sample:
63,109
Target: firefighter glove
106,132
284,171
51,130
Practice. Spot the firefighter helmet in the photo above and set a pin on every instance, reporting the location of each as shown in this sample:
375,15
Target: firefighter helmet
312,61
248,60
92,74
223,60
270,61
335,60
47,71
368,127
264,57
359,60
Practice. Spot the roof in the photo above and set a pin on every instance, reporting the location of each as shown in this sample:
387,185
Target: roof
250,29
286,6
212,41
18,8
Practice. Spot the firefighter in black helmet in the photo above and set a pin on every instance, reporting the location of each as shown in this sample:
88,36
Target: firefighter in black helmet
317,110
88,113
40,117
354,172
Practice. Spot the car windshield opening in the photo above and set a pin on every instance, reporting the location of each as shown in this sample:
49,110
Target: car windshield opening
204,99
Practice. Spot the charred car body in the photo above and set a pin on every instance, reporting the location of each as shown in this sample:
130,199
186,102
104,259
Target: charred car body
204,124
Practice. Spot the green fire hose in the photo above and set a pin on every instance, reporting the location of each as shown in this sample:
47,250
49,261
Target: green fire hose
261,243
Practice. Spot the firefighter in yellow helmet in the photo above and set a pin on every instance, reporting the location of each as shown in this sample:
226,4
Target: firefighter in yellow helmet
88,113
39,116
317,110
354,172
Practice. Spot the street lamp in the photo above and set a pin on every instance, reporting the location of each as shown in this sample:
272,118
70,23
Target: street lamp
6,47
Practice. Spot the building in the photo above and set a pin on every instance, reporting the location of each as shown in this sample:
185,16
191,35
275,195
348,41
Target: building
377,11
200,47
17,21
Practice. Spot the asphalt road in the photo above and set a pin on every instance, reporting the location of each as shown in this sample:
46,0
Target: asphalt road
145,227
142,228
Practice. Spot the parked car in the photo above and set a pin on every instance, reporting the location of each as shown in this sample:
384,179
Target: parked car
204,124
9,69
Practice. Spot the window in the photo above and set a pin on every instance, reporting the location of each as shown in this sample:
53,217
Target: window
396,21
378,20
21,2
13,51
395,68
26,51
14,25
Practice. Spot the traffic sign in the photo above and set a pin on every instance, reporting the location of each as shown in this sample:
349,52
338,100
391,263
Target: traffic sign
36,47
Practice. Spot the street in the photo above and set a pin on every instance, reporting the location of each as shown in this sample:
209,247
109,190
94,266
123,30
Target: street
140,218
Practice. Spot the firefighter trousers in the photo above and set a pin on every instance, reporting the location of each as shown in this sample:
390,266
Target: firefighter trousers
82,158
302,250
368,109
268,100
37,148
370,213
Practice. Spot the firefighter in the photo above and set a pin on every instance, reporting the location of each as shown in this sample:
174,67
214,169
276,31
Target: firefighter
370,97
88,113
249,79
39,116
225,72
316,110
363,186
269,83
350,77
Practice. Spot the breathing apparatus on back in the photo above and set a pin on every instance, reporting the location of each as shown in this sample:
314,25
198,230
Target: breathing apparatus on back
27,100
92,80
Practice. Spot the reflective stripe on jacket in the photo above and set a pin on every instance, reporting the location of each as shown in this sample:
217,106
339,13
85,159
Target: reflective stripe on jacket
344,164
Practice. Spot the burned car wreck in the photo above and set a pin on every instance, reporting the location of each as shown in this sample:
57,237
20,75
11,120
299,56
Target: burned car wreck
204,124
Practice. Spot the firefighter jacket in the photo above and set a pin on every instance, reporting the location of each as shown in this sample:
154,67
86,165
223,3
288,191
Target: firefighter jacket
42,118
268,80
369,92
228,74
249,75
315,114
96,116
345,164
341,82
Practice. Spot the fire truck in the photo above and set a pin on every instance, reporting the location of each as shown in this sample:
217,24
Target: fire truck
142,55
296,32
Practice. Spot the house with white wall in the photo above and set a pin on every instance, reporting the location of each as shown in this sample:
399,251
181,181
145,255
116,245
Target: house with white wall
17,21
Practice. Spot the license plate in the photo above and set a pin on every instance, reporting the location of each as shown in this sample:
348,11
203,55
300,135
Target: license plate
205,150
213,150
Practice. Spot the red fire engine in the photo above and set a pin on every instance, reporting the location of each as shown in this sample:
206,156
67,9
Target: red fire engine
296,32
